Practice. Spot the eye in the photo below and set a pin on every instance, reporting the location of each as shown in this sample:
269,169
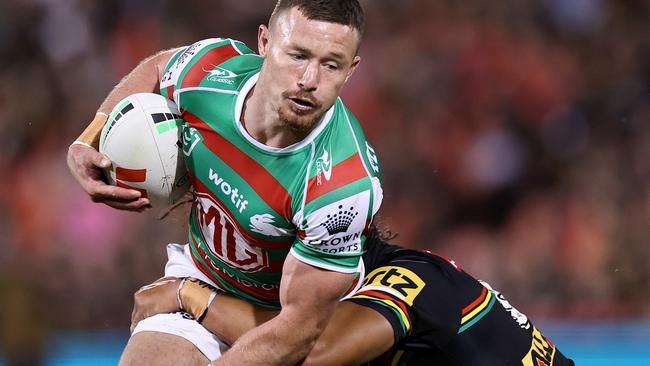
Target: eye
331,67
297,56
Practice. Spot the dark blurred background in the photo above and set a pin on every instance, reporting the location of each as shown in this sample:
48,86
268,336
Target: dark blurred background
514,137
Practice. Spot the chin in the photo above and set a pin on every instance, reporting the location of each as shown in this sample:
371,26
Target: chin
299,123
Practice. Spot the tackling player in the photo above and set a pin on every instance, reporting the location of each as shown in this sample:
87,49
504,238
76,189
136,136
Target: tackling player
414,308
286,184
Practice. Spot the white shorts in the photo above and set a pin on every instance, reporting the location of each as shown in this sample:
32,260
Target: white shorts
180,264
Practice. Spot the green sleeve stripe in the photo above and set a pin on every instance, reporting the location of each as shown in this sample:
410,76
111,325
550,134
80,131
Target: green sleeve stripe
348,263
174,58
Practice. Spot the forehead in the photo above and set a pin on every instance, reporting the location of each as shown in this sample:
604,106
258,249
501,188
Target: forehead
295,30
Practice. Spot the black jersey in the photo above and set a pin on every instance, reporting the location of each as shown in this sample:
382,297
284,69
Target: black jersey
441,315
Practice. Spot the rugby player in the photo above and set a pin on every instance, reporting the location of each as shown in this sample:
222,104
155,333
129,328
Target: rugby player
286,184
414,308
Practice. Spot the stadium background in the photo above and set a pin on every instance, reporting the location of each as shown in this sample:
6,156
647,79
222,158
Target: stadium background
514,137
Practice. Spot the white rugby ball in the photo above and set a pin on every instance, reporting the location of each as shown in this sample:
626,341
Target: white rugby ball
140,137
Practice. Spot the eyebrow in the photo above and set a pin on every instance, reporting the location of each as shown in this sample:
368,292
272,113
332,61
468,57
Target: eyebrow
333,55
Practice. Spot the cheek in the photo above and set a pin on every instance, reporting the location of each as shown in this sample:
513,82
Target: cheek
333,89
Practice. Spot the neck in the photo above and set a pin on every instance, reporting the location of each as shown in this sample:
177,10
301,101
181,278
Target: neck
262,123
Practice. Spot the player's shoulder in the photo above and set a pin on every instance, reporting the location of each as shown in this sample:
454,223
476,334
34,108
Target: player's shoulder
349,136
220,60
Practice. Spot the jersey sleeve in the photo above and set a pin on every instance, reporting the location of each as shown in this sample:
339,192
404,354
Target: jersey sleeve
166,87
191,64
331,235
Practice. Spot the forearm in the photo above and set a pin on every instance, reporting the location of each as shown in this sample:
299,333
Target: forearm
229,318
144,78
308,296
280,341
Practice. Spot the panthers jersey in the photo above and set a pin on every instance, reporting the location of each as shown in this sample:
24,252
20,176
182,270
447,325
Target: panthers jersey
254,203
443,316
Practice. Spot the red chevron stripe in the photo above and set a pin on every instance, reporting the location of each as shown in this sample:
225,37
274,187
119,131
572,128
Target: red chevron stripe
475,303
244,231
263,183
383,296
208,61
343,173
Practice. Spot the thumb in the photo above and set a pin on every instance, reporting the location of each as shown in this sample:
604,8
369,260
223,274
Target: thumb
102,161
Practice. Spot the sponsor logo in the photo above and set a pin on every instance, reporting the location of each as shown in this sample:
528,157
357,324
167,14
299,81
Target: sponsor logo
541,351
245,283
228,190
372,158
221,75
337,227
171,76
263,224
348,243
189,138
516,315
396,281
340,221
324,167
224,240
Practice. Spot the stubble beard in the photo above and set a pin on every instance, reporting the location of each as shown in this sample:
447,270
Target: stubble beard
299,124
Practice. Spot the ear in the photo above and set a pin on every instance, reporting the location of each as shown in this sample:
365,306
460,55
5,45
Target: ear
262,39
355,63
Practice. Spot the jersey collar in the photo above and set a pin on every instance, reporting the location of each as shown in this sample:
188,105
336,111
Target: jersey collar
239,104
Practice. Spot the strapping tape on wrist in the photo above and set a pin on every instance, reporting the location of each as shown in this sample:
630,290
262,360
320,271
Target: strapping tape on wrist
195,296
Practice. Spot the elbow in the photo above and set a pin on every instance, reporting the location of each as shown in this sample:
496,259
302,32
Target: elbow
323,353
318,357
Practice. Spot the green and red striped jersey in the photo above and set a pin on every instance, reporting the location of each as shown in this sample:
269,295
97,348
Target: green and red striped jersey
254,203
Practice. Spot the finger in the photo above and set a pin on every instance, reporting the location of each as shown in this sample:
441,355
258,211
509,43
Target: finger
138,205
103,191
101,160
160,282
133,324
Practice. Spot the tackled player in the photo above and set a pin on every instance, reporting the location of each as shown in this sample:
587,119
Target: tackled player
271,126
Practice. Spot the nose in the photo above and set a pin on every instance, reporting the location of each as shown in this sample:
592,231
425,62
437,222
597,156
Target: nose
309,79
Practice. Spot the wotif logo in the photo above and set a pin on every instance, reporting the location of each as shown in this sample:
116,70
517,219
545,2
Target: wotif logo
221,75
324,167
227,189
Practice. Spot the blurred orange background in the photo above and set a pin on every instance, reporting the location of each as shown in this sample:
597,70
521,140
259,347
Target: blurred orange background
514,137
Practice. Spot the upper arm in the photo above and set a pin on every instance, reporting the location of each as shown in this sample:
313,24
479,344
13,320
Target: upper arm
309,295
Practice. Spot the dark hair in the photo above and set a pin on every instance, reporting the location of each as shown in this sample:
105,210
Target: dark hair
346,12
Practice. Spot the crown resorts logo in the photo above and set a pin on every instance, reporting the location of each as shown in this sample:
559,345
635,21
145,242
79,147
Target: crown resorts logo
339,222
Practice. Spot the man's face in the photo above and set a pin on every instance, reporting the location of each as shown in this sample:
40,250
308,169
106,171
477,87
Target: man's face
306,64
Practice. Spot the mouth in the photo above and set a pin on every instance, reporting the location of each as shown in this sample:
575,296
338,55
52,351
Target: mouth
302,103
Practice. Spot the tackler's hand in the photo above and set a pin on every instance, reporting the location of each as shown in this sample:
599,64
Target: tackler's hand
157,298
86,165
